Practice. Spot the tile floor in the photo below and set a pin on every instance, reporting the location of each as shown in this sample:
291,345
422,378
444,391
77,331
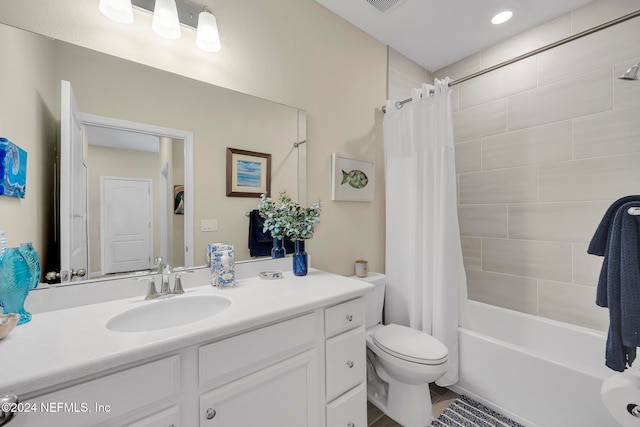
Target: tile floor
440,396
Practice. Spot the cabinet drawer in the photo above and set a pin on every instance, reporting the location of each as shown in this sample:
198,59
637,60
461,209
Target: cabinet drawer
349,410
346,362
107,397
223,361
342,317
167,418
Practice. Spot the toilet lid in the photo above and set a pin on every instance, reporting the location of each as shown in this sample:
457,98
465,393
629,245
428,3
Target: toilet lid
410,344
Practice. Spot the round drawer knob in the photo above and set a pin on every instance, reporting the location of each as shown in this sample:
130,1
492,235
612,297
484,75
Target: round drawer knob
350,364
211,413
349,317
350,424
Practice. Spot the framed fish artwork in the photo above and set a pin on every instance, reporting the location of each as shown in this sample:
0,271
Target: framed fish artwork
352,180
248,173
13,169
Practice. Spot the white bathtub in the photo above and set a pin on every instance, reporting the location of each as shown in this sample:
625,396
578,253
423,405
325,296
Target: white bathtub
537,371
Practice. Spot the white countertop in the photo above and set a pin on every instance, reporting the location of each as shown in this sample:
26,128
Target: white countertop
65,345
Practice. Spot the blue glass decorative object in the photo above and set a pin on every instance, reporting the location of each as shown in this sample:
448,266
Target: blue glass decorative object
300,259
13,169
19,273
278,250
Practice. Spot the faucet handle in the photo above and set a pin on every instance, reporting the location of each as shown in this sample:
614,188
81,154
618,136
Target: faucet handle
177,287
152,292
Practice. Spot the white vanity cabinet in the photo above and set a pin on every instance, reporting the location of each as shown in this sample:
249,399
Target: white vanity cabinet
267,377
301,364
345,371
109,397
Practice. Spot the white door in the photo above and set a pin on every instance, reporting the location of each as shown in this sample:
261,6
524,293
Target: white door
126,224
73,188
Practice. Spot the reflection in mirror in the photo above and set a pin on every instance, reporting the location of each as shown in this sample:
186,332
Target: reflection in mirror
217,118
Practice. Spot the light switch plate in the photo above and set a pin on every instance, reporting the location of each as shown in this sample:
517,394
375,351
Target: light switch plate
209,225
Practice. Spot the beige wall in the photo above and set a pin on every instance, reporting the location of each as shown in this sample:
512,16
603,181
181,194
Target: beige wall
291,51
543,147
27,118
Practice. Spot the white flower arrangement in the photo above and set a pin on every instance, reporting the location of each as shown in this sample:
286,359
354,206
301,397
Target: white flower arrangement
286,218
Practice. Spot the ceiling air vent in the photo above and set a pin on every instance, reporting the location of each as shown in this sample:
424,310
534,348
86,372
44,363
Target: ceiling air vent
384,5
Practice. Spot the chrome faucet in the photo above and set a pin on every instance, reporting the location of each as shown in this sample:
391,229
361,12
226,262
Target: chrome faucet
152,292
166,274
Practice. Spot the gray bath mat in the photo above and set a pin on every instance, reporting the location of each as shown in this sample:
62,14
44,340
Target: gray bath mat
466,412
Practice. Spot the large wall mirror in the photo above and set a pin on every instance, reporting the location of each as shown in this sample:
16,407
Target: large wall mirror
112,90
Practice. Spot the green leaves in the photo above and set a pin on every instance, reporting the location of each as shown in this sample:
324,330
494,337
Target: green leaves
287,218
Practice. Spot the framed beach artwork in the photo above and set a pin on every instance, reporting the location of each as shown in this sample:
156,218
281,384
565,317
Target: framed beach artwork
352,179
248,173
13,169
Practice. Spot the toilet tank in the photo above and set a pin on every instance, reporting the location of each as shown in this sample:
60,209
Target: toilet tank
374,300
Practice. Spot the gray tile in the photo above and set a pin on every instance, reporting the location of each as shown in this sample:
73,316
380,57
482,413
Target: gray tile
602,178
573,304
500,83
586,267
600,11
462,68
585,94
531,146
471,252
542,260
608,133
514,185
528,41
560,222
483,220
386,422
486,119
373,413
468,156
504,290
625,93
595,51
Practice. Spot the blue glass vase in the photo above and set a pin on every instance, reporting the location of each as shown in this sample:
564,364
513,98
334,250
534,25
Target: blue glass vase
19,273
278,250
300,259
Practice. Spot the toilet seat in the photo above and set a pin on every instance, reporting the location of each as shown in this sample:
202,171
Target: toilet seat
410,345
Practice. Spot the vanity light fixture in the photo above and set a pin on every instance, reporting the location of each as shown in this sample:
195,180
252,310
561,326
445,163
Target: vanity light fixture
168,17
165,19
502,17
207,37
117,10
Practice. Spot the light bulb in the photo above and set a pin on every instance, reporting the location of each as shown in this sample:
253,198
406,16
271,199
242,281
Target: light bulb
165,19
117,10
207,37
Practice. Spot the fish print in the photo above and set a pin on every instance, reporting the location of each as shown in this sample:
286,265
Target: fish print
355,178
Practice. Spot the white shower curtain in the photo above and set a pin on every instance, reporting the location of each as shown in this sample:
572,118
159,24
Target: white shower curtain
425,274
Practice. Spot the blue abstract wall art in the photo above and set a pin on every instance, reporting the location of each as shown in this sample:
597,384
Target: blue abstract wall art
13,169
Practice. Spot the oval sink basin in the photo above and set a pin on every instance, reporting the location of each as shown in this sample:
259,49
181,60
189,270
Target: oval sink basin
168,313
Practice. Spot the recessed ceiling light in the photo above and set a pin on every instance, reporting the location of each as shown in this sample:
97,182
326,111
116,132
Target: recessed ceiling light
502,17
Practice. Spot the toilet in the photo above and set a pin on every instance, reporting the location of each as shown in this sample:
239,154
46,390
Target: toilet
401,362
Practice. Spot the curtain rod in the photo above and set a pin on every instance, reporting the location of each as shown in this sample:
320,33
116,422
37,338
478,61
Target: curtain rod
576,36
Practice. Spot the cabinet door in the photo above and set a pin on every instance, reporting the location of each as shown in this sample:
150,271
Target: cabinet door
285,394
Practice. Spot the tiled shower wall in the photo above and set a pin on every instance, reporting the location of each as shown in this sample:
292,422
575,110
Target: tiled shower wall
543,146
